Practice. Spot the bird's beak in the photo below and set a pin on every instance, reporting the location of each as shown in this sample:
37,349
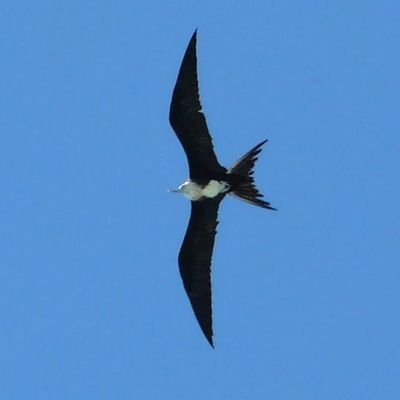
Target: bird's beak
173,190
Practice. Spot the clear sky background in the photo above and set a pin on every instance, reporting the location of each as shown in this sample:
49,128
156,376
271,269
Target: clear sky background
306,299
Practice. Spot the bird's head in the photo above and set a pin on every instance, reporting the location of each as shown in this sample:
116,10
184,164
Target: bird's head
180,189
190,190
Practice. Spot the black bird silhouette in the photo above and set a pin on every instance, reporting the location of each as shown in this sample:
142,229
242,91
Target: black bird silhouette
208,184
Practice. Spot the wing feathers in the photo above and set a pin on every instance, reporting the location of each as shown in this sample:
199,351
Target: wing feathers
195,260
187,119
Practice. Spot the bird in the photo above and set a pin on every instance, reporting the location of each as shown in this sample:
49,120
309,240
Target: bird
208,184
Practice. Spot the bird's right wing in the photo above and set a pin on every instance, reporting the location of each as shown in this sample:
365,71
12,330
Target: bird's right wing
188,120
195,260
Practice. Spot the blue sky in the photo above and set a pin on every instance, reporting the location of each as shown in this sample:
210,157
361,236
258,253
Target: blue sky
306,300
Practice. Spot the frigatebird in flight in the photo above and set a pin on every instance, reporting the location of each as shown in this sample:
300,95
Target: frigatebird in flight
209,183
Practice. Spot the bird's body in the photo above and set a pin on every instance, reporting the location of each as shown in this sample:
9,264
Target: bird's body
195,192
209,183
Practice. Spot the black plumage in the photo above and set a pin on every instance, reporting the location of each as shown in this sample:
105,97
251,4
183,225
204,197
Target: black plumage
189,123
195,260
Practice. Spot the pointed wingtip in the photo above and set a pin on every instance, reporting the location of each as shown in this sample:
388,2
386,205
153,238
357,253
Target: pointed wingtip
192,44
208,334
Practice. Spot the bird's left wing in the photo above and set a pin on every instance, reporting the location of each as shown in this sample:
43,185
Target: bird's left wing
195,260
187,119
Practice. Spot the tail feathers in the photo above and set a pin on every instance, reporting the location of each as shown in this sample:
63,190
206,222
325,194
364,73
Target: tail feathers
245,165
247,189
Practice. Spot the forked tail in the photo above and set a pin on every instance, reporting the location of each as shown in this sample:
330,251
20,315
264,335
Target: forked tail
246,188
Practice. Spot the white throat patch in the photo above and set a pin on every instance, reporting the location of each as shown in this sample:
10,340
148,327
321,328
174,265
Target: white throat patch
193,191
